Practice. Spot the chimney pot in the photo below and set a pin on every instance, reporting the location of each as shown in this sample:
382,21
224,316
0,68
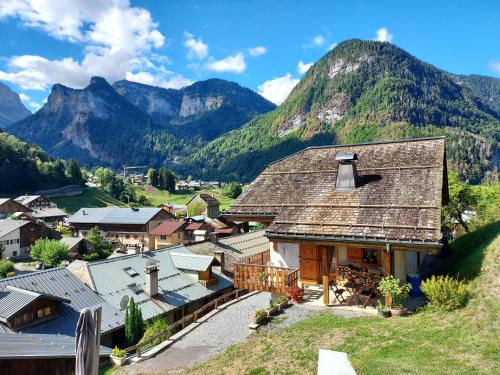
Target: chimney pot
152,280
346,172
221,257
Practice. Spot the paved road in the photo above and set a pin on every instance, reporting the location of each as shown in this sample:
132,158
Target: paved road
229,326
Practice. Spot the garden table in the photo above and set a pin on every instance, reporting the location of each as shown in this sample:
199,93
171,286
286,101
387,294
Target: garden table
353,289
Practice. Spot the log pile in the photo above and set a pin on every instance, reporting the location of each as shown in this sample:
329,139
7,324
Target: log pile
364,276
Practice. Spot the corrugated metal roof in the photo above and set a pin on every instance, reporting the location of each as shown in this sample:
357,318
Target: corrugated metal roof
41,213
191,262
7,225
114,215
28,346
26,199
175,287
62,283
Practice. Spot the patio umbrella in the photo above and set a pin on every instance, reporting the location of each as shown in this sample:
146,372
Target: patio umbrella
86,344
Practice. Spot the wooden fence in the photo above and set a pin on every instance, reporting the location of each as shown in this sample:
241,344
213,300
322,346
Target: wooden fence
257,277
191,318
260,258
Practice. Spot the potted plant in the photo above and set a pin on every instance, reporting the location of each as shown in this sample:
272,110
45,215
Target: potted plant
296,293
273,307
259,316
118,356
397,291
384,311
283,301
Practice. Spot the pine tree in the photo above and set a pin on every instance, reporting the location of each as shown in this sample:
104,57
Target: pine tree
134,323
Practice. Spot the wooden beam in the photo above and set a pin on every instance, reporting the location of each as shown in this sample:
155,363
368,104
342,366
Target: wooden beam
387,269
325,272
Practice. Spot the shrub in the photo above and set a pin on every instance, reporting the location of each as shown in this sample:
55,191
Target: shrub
445,293
6,266
91,257
392,287
117,352
154,327
49,252
134,324
260,313
295,293
11,274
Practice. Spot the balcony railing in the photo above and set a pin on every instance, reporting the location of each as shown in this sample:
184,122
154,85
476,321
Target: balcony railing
257,277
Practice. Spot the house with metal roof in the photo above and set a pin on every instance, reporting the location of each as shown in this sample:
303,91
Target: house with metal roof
17,236
169,233
154,281
345,211
35,201
9,207
50,302
127,226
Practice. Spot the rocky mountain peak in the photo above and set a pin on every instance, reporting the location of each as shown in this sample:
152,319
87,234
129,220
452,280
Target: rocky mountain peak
11,107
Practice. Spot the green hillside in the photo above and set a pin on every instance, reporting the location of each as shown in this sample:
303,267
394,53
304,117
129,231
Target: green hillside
363,91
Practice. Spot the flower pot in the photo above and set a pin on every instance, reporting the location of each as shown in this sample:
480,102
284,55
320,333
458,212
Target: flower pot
398,312
384,313
118,361
258,319
273,310
283,305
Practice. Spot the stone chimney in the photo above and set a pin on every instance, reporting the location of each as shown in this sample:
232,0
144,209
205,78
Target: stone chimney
220,256
151,279
346,173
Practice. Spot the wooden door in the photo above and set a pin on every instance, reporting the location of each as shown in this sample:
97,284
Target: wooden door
310,263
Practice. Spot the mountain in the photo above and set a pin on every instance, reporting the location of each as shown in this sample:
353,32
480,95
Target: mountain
11,108
484,87
132,123
205,109
364,91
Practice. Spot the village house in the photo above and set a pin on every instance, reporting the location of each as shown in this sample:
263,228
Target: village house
128,227
169,282
49,302
35,201
9,207
203,204
169,233
52,216
17,236
349,212
77,247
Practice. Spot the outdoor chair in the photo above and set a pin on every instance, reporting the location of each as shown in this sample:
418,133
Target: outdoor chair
337,292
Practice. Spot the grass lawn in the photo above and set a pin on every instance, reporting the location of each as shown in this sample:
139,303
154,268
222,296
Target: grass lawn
91,197
157,196
461,342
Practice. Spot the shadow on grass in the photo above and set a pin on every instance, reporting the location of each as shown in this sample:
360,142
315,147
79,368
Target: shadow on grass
468,251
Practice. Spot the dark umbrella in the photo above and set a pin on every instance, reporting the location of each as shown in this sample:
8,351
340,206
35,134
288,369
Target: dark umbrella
86,344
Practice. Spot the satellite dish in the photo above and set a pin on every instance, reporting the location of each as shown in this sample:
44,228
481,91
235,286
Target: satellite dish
124,303
151,263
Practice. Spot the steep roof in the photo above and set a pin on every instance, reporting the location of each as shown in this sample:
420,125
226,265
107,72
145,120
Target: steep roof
207,198
168,227
175,288
401,187
114,215
62,283
7,226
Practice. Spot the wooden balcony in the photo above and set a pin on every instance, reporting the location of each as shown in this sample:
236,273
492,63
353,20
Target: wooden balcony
257,277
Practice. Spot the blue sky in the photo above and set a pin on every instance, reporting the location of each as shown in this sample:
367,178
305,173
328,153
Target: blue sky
264,45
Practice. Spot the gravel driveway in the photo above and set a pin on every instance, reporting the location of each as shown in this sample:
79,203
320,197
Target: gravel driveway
228,327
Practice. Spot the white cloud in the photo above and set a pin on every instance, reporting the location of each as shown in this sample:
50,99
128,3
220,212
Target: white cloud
234,64
277,90
495,66
196,47
383,35
31,104
174,81
116,39
303,67
257,51
319,40
24,98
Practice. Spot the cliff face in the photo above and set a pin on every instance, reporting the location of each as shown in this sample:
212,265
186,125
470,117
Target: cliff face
11,108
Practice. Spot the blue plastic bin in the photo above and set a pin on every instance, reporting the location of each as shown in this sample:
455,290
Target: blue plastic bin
414,279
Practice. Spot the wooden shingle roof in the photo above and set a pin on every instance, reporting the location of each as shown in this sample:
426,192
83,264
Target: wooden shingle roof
400,189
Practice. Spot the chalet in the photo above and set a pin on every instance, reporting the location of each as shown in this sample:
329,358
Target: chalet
169,233
9,207
204,204
168,282
18,235
49,302
348,211
51,216
130,227
35,201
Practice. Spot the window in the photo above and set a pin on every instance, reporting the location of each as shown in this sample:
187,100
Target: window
371,256
163,237
27,317
135,236
17,240
14,253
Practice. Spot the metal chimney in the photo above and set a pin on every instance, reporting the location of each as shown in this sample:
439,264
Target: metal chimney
346,173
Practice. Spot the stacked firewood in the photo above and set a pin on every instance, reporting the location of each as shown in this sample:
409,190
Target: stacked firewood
368,278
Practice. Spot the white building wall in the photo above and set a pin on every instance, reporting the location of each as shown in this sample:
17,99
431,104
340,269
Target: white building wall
9,247
284,254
